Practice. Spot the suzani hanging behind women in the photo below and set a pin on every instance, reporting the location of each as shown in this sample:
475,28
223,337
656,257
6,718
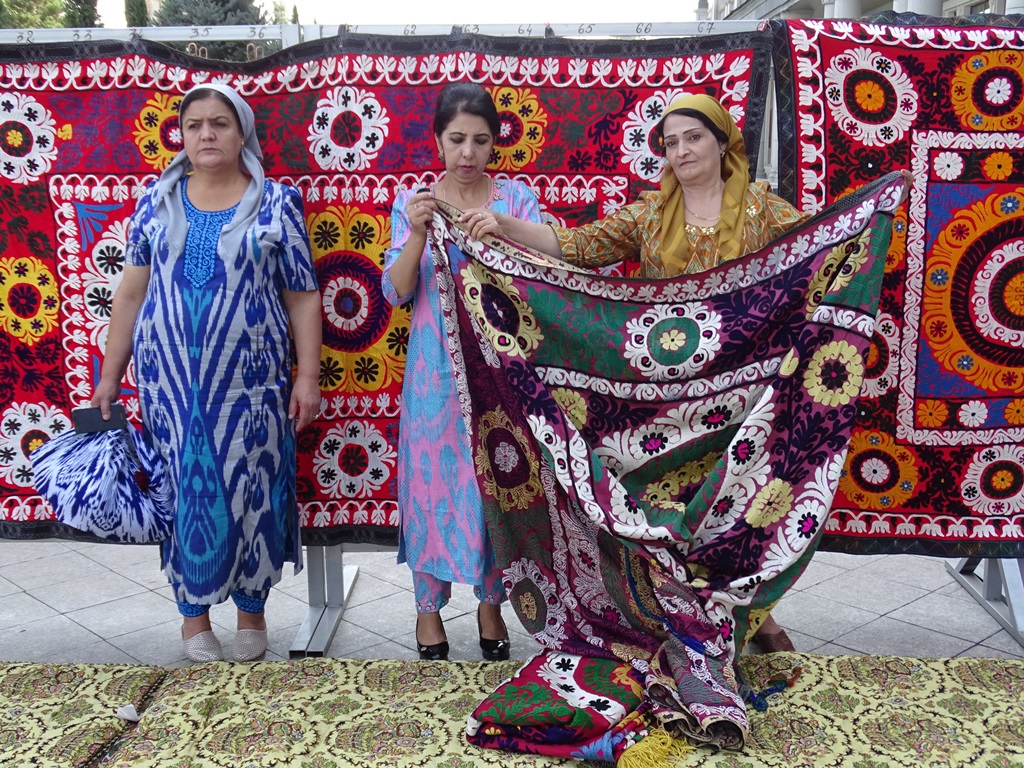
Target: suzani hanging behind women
218,269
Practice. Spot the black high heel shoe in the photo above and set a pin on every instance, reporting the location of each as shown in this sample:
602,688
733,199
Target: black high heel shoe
435,652
492,650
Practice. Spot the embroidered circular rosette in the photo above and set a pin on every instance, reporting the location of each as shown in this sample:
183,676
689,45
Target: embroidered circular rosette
523,123
881,365
504,462
348,129
28,138
640,149
533,594
157,131
879,474
365,339
353,460
501,313
994,481
973,295
669,342
23,428
29,299
870,97
987,91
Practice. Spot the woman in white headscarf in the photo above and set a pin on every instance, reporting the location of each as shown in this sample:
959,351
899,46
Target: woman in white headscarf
218,270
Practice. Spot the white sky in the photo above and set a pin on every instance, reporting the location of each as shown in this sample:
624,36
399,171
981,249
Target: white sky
401,12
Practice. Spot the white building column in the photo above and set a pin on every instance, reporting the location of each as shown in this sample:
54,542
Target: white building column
849,9
900,6
1014,6
828,9
925,7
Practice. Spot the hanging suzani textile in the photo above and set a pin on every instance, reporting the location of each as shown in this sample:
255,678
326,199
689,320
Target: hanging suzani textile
347,121
657,460
936,462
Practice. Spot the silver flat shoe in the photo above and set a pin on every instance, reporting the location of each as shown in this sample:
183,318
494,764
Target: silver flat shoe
204,647
250,644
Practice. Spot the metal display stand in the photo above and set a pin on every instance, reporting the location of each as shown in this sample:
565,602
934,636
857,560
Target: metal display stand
1000,590
330,584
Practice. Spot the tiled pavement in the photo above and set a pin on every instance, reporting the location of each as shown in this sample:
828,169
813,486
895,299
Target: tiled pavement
64,601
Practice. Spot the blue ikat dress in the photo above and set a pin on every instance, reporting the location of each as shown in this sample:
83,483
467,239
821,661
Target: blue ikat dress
213,365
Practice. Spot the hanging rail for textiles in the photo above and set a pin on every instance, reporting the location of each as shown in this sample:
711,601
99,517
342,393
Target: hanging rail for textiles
293,34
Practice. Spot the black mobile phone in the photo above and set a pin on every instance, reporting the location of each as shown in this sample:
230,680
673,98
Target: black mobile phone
91,420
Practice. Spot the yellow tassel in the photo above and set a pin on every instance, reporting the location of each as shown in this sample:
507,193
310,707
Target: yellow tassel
654,751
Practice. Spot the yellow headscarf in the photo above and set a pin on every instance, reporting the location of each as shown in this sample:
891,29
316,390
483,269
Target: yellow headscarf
675,247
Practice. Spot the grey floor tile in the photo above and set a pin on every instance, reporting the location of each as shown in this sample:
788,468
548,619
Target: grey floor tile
125,615
389,617
817,572
948,616
160,644
832,649
12,552
69,596
122,554
390,571
351,638
146,573
21,608
918,571
101,652
818,617
7,588
53,569
984,652
368,588
385,650
868,592
1001,641
888,637
844,560
41,640
956,591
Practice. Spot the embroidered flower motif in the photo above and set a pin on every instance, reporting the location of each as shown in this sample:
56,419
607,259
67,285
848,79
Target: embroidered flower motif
640,151
28,136
348,129
157,131
878,473
973,413
573,404
835,374
29,299
521,135
1014,412
932,413
771,503
870,96
353,460
948,165
998,166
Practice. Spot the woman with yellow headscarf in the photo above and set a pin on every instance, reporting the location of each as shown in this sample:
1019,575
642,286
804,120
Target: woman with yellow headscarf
707,212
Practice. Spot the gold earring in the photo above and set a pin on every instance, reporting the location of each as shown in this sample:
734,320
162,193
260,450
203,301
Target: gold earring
440,155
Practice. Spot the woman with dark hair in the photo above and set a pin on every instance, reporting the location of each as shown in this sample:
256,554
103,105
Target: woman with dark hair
707,212
218,279
442,534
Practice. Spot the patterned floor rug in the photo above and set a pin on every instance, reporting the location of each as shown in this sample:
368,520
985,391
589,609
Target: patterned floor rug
847,712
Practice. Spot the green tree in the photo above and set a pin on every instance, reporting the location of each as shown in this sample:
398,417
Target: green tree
295,14
80,13
209,13
39,14
135,13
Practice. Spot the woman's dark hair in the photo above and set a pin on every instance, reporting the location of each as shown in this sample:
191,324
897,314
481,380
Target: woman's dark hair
718,133
456,98
201,94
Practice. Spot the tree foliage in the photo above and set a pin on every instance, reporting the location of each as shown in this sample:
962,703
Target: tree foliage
135,13
209,13
80,13
37,14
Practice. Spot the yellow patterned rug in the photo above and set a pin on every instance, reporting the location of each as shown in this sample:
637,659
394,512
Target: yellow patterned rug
842,712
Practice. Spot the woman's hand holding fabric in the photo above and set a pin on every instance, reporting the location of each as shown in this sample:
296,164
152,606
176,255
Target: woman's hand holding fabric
479,222
420,211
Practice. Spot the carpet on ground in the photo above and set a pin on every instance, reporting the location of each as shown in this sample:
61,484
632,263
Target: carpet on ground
842,711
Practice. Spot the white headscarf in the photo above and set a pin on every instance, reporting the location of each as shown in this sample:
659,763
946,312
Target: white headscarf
169,206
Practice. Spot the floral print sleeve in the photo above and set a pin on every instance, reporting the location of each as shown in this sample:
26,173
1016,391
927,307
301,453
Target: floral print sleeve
614,238
401,228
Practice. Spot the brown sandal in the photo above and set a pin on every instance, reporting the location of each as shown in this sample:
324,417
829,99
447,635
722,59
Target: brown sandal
774,642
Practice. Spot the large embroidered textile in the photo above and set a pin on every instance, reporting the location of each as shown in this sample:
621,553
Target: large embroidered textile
347,121
657,459
936,462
